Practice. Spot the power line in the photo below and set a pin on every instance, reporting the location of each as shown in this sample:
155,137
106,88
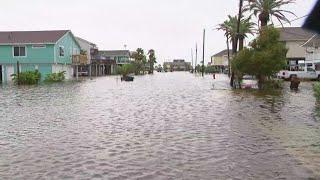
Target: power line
296,19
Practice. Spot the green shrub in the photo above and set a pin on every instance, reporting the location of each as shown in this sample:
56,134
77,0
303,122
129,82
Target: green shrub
273,84
27,78
316,88
126,69
55,77
211,69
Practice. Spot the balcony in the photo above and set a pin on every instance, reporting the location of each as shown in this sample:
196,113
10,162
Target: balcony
123,61
79,59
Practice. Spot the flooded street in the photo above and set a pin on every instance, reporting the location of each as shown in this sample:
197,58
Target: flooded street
162,126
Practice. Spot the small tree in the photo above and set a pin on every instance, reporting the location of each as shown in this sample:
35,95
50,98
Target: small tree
152,60
266,57
126,69
139,60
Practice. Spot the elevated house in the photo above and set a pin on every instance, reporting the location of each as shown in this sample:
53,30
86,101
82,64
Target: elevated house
177,65
120,56
88,49
294,38
220,60
103,65
46,51
111,59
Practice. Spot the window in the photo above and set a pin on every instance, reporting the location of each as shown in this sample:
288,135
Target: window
61,51
37,46
19,51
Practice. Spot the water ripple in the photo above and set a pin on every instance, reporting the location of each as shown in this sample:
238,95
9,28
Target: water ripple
162,126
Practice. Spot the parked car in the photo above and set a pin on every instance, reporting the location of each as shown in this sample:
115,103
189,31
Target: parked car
249,82
83,73
307,73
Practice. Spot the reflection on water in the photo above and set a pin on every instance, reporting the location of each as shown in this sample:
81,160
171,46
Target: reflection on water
162,126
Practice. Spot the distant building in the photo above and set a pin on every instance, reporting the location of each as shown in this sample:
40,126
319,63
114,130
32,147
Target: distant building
177,65
220,60
119,56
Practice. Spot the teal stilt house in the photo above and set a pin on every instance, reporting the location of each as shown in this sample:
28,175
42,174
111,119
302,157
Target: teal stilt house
46,51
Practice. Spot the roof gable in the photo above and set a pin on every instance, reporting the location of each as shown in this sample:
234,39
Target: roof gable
222,53
31,37
294,34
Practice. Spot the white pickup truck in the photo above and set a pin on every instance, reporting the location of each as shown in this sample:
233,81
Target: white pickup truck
308,73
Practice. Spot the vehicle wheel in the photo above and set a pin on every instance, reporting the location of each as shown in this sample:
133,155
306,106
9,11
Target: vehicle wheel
318,77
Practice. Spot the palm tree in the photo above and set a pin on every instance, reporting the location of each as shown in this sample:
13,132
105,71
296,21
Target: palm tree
139,59
266,9
152,60
225,27
230,28
246,27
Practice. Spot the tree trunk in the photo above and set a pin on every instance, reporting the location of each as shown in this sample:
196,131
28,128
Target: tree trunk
229,63
263,23
241,43
235,40
151,69
263,18
234,51
261,80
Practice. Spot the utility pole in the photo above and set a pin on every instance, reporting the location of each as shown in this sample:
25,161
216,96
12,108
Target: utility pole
204,38
191,60
195,66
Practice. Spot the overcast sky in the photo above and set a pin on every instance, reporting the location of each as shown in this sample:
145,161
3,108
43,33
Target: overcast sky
171,27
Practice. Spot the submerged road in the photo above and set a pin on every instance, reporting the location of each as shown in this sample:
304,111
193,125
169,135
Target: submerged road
162,126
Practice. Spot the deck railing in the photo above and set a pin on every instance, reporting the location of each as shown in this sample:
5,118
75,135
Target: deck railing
79,59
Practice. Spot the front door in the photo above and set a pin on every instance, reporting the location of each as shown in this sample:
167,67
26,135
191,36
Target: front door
1,74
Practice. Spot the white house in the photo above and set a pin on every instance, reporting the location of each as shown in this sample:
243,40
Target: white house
294,38
312,52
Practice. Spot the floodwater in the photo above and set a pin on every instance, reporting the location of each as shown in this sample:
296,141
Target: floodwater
162,126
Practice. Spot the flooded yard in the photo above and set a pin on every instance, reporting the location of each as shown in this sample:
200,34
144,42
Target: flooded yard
162,126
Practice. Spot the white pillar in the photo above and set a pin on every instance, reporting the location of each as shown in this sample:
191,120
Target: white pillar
77,72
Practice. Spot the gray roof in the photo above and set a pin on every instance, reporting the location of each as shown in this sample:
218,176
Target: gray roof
88,42
115,53
223,53
29,37
294,34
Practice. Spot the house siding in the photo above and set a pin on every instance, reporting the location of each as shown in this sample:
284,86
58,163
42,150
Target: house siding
220,60
295,50
33,55
70,48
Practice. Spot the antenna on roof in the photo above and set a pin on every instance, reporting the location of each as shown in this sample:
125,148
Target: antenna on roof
10,36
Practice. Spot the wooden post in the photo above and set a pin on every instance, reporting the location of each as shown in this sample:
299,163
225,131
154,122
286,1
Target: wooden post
96,69
18,72
77,72
90,71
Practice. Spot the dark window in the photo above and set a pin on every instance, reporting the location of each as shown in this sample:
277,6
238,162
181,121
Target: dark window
16,51
22,51
19,51
61,51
